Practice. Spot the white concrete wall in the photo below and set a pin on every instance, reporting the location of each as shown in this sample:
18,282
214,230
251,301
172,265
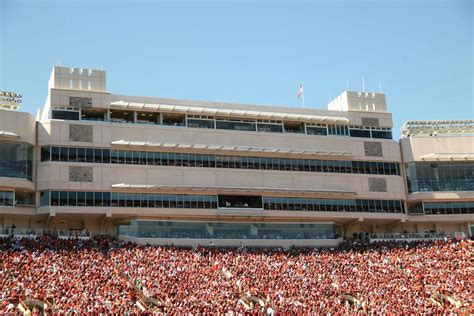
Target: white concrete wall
414,148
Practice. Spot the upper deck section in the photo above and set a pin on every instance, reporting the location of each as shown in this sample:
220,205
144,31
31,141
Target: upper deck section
83,91
438,141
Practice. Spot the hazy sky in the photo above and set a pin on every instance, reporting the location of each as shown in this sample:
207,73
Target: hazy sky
250,52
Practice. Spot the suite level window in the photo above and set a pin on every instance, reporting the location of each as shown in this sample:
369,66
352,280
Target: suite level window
16,160
240,201
64,114
148,118
6,198
355,132
94,115
269,127
196,121
235,124
294,127
317,130
381,134
103,155
338,130
118,116
174,119
25,198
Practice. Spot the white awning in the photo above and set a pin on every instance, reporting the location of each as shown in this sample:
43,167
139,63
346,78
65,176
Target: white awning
8,134
228,188
448,157
184,109
234,148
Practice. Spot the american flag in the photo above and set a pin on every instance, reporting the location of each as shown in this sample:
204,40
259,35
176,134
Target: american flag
300,91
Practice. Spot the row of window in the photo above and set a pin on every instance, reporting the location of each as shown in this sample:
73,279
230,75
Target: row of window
441,208
440,176
98,155
150,200
162,229
196,121
325,205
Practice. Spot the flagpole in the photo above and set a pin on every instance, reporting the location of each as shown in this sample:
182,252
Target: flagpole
303,98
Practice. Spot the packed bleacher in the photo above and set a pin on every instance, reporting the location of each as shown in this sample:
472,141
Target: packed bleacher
104,275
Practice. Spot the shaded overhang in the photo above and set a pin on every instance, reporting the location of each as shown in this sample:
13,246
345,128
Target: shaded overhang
169,145
230,188
236,113
448,157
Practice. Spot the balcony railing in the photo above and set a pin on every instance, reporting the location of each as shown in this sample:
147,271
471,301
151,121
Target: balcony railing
406,236
33,233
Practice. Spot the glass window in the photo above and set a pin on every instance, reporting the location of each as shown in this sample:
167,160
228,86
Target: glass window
89,198
89,155
16,160
6,198
81,198
98,199
98,155
93,114
72,198
270,128
294,127
44,198
360,133
106,198
382,134
72,154
63,198
65,115
81,155
119,116
200,123
317,130
45,153
105,155
54,198
236,125
174,119
55,153
150,118
240,201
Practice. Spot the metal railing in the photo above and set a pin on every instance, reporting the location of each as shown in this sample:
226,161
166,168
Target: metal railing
32,233
406,236
73,234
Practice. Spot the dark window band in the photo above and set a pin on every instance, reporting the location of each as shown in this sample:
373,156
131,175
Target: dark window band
440,176
151,200
98,155
223,123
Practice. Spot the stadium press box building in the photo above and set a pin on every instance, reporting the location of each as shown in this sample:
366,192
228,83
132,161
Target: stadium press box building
164,171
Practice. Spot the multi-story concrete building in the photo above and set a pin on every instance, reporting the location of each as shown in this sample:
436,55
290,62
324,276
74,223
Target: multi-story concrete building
439,166
186,172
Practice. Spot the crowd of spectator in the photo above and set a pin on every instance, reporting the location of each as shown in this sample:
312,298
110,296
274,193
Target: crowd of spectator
110,276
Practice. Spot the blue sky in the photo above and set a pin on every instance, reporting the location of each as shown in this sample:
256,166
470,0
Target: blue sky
250,52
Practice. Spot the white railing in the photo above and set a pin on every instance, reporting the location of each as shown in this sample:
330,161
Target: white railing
73,234
406,236
32,233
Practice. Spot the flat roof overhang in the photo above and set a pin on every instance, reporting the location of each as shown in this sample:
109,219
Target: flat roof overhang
236,113
239,149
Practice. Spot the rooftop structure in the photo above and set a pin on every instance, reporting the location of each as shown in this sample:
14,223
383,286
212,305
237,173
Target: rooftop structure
437,127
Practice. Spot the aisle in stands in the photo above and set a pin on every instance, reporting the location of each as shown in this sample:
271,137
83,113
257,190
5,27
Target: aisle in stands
105,275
